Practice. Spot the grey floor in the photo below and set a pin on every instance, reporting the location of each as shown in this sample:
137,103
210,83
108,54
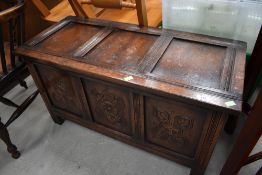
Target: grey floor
49,149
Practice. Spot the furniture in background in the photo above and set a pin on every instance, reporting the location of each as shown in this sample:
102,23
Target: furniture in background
147,13
164,91
13,69
114,10
93,9
34,22
57,13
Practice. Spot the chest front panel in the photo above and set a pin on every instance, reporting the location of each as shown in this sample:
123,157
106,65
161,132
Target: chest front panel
61,89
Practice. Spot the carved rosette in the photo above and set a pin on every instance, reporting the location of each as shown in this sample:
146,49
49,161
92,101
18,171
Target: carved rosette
112,106
171,126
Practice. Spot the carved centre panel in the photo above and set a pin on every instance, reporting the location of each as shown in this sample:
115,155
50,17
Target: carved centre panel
110,106
174,126
121,50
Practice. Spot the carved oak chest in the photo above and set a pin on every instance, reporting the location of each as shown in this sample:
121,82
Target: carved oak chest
164,91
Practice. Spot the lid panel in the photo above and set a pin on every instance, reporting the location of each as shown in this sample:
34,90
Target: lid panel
121,50
191,63
202,68
68,39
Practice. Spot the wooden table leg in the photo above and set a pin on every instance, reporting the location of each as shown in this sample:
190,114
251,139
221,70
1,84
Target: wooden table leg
203,156
4,135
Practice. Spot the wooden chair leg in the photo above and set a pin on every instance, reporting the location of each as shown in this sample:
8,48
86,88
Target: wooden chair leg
253,158
22,108
246,141
4,135
23,83
8,102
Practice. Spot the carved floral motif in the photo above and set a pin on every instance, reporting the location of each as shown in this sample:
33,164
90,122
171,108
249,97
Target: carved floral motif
112,106
171,126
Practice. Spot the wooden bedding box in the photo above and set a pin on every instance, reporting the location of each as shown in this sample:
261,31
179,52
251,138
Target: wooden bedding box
166,92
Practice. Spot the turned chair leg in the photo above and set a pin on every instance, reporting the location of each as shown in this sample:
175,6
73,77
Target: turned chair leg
11,148
22,83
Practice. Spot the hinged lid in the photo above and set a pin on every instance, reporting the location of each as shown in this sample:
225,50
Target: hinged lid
201,68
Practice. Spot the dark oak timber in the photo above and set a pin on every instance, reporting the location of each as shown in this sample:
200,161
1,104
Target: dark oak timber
166,92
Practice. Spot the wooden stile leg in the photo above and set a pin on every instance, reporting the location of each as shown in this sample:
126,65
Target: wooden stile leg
58,120
203,156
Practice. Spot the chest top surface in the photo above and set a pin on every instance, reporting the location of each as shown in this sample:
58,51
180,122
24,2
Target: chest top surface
195,67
